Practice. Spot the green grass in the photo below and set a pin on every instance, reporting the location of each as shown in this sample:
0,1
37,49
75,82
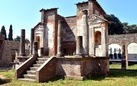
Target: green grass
116,77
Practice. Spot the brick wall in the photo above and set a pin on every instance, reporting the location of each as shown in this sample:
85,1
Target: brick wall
8,54
122,39
81,66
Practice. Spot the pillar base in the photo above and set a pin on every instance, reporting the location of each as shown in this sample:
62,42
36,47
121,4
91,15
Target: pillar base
123,64
60,55
86,55
92,55
22,54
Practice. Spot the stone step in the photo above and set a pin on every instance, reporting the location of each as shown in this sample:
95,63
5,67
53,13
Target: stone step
31,72
40,62
33,68
37,65
27,79
42,59
29,76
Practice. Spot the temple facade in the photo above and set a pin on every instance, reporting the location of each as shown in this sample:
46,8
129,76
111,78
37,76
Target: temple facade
73,47
55,31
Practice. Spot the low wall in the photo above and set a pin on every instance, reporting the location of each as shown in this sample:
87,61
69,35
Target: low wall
80,67
47,70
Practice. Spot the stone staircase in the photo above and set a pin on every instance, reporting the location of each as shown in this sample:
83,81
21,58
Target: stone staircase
30,74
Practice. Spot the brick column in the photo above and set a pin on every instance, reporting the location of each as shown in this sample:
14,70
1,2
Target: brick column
35,48
31,40
22,43
85,33
42,15
123,60
60,39
79,46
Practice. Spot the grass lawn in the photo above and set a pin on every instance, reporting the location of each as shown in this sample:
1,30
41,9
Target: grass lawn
116,77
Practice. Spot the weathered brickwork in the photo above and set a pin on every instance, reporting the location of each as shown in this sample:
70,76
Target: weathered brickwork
80,67
71,40
125,39
46,30
8,54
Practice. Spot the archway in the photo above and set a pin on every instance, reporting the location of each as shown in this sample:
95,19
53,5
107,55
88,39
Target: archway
97,38
132,52
115,52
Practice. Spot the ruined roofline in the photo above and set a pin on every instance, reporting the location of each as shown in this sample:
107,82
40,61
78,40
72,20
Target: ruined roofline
37,25
71,16
79,3
48,9
96,2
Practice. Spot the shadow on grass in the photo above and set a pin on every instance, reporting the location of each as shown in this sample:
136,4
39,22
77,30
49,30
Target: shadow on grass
4,81
56,78
122,73
114,73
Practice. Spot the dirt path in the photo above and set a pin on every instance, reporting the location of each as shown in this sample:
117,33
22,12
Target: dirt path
2,77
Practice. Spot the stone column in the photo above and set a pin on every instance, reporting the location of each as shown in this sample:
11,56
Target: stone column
92,42
60,39
42,15
123,60
103,41
126,54
22,43
79,46
35,48
31,40
85,33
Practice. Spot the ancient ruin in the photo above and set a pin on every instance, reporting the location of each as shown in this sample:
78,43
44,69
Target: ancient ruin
73,47
7,51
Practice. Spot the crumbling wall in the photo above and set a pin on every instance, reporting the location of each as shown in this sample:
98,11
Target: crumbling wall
80,8
8,53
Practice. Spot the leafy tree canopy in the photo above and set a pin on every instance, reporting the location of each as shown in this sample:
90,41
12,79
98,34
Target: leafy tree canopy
129,28
115,26
18,39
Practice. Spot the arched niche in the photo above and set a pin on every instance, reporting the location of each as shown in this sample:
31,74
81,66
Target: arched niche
132,52
115,52
97,38
38,40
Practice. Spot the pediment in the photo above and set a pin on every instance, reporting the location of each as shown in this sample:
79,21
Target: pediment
98,19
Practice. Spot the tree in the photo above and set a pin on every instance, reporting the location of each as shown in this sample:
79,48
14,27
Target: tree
115,26
27,41
17,39
3,32
130,28
10,33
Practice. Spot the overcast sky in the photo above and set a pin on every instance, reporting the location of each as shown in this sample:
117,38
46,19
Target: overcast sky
24,14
